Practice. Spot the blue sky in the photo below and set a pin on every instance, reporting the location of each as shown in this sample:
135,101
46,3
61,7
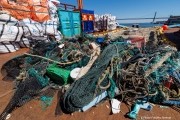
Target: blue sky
131,8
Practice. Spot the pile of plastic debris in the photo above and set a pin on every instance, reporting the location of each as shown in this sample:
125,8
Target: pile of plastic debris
85,70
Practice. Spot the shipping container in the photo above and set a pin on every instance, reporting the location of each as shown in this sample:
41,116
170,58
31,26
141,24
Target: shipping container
70,23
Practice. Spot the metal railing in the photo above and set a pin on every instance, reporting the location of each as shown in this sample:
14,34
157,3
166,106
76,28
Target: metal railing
66,6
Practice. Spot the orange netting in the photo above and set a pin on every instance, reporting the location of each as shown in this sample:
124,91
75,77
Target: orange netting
37,10
40,15
33,2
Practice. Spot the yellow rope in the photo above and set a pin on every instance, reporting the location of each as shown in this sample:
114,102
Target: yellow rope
165,40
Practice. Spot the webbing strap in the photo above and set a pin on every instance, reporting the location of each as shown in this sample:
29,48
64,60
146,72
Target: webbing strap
17,35
29,30
6,46
45,27
2,30
13,44
53,27
8,19
23,41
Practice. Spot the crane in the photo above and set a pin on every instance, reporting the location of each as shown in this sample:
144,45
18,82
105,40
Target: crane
80,4
154,17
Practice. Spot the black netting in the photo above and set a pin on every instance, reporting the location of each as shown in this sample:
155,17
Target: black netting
12,68
25,92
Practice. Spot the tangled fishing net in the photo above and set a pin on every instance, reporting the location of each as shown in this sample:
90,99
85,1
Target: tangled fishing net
29,71
136,73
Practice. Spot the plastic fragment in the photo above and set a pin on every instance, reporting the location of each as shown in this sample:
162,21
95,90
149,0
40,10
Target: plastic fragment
107,106
134,112
163,106
115,104
95,101
8,116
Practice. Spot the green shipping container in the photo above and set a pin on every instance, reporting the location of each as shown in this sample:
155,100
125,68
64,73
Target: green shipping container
70,23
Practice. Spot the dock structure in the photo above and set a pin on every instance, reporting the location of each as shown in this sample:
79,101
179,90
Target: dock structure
173,20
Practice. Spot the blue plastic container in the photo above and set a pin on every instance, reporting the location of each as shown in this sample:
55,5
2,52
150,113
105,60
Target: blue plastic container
70,23
91,12
87,26
87,11
99,40
84,11
91,26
